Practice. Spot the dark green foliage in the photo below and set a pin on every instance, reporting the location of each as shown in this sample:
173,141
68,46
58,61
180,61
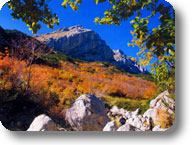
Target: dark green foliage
17,109
91,70
147,77
48,60
33,13
61,56
132,106
54,58
8,31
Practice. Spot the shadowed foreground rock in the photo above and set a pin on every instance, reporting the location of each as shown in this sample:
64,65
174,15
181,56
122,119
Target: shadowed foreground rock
87,113
42,123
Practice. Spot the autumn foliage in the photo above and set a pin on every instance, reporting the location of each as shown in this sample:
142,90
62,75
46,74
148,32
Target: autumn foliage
58,87
165,119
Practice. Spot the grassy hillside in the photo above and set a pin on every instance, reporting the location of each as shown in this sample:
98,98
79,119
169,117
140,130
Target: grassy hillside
56,80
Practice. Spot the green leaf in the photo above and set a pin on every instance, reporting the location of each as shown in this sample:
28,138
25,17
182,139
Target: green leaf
154,29
97,1
136,19
133,21
146,22
140,21
135,25
171,52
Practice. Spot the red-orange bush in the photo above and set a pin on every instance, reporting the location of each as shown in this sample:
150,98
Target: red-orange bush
58,87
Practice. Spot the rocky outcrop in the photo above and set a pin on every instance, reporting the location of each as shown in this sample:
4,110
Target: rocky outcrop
139,122
127,127
162,108
116,112
122,61
110,126
87,113
162,103
131,119
42,123
86,44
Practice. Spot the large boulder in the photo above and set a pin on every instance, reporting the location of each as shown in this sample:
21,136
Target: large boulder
87,113
162,100
110,126
42,123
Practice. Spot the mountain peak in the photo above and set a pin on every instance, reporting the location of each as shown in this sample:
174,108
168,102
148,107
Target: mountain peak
83,43
118,51
75,29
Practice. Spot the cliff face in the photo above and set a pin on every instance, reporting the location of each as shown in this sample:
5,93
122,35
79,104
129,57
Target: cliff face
86,44
78,42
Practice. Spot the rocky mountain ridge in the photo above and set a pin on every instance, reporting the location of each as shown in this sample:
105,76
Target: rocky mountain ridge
83,43
78,42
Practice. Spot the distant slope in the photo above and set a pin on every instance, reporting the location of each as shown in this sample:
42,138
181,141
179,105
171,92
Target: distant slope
20,44
4,38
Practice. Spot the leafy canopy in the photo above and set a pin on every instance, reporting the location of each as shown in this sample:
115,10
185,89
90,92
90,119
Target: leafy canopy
33,13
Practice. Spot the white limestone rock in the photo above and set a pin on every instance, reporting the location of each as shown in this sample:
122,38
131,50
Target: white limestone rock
87,113
114,110
127,127
158,128
141,123
110,126
42,123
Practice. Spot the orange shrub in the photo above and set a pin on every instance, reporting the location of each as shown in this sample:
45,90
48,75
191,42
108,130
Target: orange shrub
58,87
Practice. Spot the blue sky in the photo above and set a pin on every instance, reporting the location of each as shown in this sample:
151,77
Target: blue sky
116,37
